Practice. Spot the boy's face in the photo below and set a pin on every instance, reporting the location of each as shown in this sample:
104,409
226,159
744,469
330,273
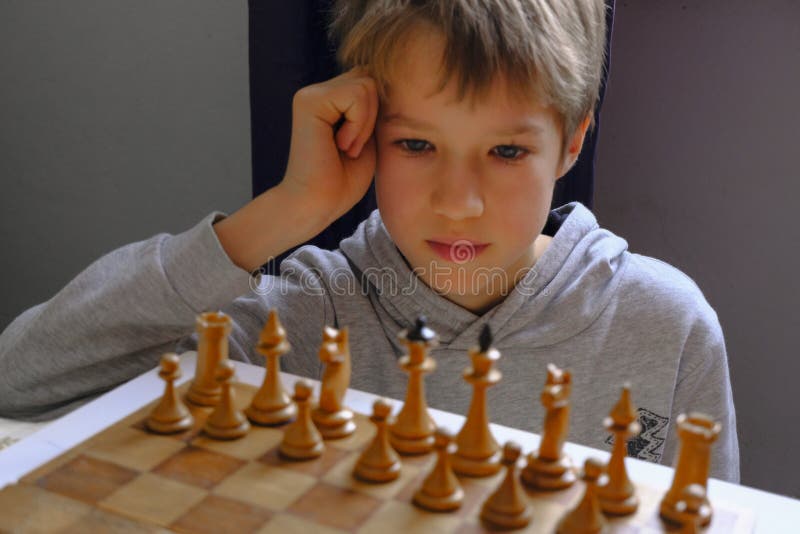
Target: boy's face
463,192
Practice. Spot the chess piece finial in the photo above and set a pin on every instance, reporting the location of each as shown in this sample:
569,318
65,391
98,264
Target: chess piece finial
441,491
507,508
477,452
586,517
485,338
697,432
271,404
379,462
301,439
213,329
617,495
550,468
170,415
421,332
332,418
226,422
412,432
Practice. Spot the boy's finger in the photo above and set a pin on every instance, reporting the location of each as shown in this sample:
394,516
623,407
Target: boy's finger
368,126
352,103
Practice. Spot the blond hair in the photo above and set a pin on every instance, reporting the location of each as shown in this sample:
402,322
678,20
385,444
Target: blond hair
551,49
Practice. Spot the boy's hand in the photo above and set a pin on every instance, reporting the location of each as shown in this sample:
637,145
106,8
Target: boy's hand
330,169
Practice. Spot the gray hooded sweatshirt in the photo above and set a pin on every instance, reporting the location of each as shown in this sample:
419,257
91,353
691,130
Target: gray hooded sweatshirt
589,305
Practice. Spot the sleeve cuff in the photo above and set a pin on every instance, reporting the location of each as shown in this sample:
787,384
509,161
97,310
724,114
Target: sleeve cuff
200,270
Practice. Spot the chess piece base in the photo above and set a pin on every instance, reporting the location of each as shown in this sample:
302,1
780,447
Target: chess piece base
604,529
472,467
230,432
204,397
170,427
410,446
548,474
671,514
618,507
504,521
370,473
445,503
301,453
333,425
279,416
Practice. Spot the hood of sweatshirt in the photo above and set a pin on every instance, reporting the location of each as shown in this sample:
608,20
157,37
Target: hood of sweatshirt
566,290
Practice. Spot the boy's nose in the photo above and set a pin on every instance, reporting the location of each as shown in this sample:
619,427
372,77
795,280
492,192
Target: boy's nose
457,196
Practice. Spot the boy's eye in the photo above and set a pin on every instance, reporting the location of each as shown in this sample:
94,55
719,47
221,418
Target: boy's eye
509,152
413,145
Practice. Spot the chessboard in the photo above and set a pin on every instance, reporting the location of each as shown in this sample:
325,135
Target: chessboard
128,479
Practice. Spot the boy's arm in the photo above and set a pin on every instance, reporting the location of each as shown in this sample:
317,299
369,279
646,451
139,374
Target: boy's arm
115,318
703,385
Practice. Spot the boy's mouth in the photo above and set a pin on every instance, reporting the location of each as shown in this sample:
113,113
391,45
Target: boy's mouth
458,250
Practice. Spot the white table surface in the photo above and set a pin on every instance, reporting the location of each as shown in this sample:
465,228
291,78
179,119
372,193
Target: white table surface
774,513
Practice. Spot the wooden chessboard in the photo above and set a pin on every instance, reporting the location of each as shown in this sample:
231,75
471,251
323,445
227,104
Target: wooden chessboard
125,479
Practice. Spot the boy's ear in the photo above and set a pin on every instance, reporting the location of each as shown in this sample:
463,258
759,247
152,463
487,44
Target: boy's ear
573,148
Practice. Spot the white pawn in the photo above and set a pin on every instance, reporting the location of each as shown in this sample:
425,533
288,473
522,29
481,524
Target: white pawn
379,462
170,415
301,439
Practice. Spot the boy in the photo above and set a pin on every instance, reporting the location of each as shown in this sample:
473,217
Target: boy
466,113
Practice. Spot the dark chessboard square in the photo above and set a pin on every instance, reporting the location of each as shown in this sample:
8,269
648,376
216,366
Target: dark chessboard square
351,508
218,514
316,467
87,479
199,467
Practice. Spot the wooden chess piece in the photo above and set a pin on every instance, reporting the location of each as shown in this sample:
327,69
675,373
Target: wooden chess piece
301,439
551,468
507,508
213,329
379,462
271,404
693,509
412,432
170,415
333,420
696,432
441,491
477,453
587,517
617,496
226,422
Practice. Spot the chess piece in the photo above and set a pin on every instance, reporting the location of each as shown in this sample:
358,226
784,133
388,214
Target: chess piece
301,439
333,420
379,462
226,422
477,453
507,508
271,404
441,491
696,432
412,432
551,468
693,509
587,517
213,329
617,496
170,415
